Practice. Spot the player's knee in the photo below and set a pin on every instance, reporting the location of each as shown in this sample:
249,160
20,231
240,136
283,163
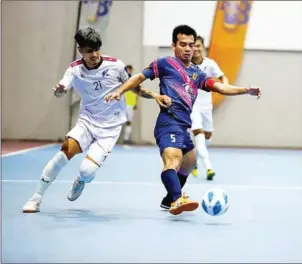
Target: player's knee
88,170
70,147
172,164
197,132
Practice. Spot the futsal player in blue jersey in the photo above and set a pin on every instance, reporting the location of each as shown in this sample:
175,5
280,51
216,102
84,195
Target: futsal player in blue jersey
179,80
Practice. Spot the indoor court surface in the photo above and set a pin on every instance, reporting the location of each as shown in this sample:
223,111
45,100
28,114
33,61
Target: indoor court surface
118,218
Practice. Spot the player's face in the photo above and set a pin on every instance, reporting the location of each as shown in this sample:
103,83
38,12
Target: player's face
199,49
91,57
184,48
129,70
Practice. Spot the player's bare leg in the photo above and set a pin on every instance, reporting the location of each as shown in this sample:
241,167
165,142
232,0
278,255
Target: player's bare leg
173,159
201,140
69,149
87,172
97,153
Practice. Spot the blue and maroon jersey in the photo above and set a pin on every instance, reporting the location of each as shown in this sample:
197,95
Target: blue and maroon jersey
180,83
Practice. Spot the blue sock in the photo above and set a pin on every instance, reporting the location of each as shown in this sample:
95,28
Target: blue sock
182,177
172,184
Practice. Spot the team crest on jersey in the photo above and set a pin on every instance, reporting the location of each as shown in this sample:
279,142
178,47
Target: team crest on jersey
104,73
194,76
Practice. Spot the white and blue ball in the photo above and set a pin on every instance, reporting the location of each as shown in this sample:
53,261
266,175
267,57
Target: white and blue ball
215,202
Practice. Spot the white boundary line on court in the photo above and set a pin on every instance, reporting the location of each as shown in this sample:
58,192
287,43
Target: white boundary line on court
18,152
227,186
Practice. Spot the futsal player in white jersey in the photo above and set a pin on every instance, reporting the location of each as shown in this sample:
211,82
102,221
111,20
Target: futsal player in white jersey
202,119
99,123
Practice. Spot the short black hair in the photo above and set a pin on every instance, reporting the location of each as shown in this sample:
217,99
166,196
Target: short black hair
129,67
201,39
183,29
88,37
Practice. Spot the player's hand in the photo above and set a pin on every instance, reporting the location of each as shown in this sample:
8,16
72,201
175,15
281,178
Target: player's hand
59,90
163,101
113,96
254,91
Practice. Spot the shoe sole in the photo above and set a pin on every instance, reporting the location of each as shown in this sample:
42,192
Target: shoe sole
30,211
187,207
165,207
75,198
72,199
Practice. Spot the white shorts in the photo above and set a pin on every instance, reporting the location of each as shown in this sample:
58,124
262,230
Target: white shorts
130,113
202,119
96,141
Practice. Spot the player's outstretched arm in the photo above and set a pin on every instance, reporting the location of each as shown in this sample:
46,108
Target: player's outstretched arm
227,89
224,79
162,100
65,84
130,84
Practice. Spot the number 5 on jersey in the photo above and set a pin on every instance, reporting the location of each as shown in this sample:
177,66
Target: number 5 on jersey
97,85
173,139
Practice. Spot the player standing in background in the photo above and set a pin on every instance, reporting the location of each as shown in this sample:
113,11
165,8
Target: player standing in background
179,79
202,116
99,124
131,102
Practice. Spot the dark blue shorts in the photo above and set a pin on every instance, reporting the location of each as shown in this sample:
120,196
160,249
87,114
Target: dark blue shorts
174,136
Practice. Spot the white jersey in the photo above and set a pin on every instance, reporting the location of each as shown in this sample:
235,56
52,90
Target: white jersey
210,67
93,85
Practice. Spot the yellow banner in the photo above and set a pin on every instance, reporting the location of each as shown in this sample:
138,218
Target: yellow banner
228,37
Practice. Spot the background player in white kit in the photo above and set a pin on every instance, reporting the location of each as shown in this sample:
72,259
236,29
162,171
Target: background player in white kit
202,118
99,124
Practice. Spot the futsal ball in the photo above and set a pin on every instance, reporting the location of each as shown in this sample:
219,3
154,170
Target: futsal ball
215,202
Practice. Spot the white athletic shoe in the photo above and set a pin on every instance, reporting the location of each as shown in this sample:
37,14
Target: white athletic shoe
76,190
32,206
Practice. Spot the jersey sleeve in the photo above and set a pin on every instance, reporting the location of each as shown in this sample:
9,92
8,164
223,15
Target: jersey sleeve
216,71
155,69
68,78
123,74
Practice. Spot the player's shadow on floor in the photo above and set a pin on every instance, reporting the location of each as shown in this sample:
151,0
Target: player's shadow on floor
79,214
108,216
217,223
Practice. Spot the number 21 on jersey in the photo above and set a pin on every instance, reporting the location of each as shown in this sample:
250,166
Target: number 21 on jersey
97,85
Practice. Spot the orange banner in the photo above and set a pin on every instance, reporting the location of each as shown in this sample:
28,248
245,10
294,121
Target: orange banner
228,37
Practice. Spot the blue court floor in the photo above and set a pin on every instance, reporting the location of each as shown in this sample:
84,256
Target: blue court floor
118,218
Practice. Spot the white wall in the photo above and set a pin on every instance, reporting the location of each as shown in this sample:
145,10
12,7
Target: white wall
273,25
37,42
275,119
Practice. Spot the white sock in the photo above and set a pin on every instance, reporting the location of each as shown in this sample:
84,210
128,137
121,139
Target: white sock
50,173
202,150
127,132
